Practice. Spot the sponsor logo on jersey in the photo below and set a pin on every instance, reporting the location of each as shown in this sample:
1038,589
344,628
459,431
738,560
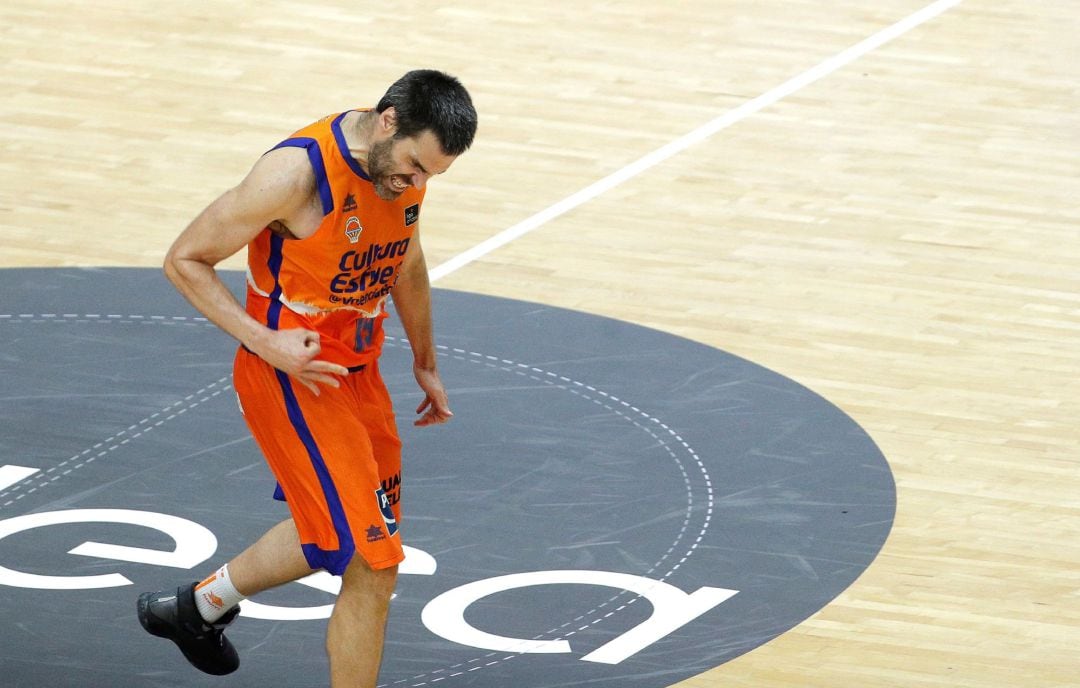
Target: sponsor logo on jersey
387,512
360,272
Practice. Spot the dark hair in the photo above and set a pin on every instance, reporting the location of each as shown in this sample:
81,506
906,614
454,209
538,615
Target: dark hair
428,99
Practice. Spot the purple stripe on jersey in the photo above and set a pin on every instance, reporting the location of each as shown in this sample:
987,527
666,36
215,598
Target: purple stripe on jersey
273,313
343,146
317,165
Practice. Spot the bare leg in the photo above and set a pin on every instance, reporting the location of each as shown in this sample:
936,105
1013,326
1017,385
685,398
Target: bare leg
354,638
275,559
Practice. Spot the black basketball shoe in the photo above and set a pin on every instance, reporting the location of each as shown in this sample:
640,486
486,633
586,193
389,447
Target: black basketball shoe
175,616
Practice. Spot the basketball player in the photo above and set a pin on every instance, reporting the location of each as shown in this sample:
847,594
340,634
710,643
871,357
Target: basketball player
330,221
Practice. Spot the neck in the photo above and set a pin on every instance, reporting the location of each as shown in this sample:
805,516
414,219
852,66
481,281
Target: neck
358,128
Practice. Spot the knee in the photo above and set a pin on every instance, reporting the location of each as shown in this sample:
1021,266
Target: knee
359,576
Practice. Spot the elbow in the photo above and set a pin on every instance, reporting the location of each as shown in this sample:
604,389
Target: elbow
170,266
178,267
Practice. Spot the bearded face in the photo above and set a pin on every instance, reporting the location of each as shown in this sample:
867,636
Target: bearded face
388,186
396,163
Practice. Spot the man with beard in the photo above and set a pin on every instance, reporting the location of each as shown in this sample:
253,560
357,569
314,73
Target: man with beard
330,220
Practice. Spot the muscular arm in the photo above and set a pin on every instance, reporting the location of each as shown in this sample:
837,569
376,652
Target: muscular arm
278,187
412,299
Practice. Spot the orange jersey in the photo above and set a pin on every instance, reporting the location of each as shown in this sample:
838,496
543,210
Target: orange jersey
336,281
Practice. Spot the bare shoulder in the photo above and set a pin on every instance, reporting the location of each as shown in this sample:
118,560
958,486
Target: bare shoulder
283,173
280,190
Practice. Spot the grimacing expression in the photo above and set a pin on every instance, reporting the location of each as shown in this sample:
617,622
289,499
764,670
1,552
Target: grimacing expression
395,164
380,164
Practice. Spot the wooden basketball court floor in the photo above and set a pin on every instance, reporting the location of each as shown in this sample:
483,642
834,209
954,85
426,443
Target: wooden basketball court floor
898,231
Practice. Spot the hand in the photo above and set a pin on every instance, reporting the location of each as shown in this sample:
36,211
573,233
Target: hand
293,352
435,407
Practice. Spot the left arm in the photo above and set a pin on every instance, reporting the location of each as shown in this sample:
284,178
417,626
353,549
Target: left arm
412,299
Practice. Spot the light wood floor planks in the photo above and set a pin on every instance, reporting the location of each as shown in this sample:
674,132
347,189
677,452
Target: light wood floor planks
902,236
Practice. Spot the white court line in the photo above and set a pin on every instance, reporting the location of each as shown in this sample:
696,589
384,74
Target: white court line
696,136
9,474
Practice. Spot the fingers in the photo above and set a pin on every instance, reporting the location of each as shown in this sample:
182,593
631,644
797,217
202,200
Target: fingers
312,381
312,387
428,418
431,418
326,367
321,380
317,373
440,407
295,352
436,413
322,373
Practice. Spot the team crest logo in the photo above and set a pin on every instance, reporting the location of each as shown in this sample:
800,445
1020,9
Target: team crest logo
353,229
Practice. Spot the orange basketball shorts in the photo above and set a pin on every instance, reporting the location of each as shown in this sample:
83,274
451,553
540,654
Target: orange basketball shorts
336,457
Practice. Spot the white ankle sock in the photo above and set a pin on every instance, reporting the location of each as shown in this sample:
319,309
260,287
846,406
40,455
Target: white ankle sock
216,595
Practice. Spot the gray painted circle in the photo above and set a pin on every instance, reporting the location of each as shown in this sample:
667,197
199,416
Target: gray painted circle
579,443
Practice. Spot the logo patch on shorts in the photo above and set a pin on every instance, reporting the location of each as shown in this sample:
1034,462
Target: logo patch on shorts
387,512
374,533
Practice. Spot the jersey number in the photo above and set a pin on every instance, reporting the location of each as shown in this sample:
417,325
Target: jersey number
365,328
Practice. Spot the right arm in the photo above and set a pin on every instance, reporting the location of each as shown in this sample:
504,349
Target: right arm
279,187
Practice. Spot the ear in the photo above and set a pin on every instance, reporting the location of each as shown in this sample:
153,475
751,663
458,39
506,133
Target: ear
388,121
